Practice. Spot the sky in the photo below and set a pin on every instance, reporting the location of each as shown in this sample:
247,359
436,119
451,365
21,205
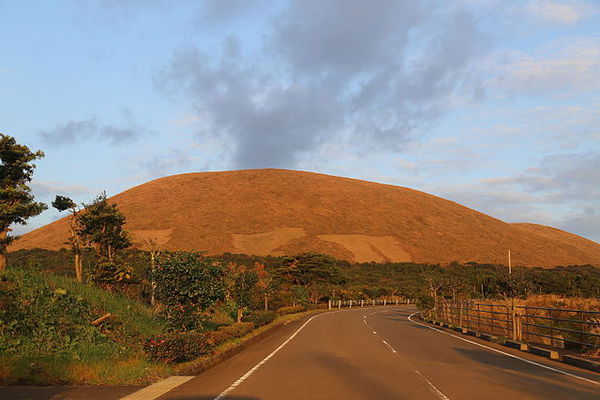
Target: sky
492,104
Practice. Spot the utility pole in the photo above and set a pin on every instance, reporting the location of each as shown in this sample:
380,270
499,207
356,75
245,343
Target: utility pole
509,263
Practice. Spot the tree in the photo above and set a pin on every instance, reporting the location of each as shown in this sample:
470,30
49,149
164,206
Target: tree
103,225
310,268
186,283
245,283
76,240
17,204
267,283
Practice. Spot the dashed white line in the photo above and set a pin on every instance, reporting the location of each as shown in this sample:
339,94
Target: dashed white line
503,352
434,389
390,347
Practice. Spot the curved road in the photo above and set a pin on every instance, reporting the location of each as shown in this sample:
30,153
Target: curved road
376,353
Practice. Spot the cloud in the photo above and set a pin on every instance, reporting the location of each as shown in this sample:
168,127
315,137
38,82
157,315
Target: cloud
50,189
77,131
172,161
566,65
586,223
371,77
567,12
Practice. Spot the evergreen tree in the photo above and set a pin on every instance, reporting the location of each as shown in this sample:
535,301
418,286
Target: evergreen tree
17,204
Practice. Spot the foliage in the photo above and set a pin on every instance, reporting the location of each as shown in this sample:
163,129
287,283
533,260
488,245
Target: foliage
245,283
111,272
229,332
260,318
17,203
47,338
308,268
177,347
291,310
102,224
186,283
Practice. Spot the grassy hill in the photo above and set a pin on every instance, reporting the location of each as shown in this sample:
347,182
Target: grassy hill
277,212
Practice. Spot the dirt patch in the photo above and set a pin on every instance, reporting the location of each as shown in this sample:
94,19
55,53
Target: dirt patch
264,244
366,248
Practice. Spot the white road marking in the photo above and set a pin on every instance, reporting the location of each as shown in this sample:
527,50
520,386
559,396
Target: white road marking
505,353
257,366
374,333
388,345
158,389
434,389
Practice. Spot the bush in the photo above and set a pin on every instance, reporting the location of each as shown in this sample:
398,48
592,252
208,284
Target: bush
229,332
260,318
177,347
291,310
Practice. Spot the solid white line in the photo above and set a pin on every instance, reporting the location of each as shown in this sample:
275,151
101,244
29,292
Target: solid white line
505,353
374,333
257,366
435,390
158,389
388,345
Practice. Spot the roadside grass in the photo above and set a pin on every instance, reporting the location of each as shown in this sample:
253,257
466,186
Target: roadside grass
46,336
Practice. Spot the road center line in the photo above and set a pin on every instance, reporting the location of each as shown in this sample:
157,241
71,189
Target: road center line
388,345
503,352
264,360
434,389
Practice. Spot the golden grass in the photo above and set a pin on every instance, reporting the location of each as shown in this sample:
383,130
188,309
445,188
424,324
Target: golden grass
254,210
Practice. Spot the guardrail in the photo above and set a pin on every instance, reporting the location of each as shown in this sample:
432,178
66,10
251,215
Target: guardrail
556,327
366,303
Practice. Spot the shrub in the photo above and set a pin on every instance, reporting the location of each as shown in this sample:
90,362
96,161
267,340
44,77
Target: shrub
229,332
177,347
291,310
260,318
188,282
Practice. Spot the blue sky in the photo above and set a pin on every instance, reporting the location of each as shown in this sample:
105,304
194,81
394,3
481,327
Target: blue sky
493,104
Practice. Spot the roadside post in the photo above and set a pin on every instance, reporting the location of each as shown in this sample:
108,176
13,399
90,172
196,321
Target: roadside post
329,304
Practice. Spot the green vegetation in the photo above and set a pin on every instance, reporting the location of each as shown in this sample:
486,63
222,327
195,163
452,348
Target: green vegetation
17,204
46,335
198,300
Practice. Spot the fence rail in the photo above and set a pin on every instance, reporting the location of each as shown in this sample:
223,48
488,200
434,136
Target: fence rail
556,327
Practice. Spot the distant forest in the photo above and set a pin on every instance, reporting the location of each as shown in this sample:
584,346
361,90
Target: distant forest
371,280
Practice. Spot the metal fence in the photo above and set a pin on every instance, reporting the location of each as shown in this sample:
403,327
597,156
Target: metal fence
556,327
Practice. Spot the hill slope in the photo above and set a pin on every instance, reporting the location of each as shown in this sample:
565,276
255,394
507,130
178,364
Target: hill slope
285,212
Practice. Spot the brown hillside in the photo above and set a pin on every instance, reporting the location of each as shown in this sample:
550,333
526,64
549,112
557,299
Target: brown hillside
286,212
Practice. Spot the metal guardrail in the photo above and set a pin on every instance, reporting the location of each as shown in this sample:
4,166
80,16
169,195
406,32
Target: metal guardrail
556,327
368,302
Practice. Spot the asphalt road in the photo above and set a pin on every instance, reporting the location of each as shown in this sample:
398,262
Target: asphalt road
370,353
381,354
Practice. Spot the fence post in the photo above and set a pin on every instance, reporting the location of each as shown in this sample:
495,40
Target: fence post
329,304
339,304
373,302
350,304
384,302
362,303
396,301
478,317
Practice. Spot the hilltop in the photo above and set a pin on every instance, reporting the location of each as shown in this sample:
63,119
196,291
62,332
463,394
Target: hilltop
278,212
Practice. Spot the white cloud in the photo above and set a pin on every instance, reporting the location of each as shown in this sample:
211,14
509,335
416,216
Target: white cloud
562,67
559,12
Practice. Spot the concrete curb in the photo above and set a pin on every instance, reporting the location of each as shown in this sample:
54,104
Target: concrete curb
582,363
540,351
516,345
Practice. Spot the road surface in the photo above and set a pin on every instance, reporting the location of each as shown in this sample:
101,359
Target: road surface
367,353
381,354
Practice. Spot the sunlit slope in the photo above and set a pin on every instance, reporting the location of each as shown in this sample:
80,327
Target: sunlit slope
285,212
